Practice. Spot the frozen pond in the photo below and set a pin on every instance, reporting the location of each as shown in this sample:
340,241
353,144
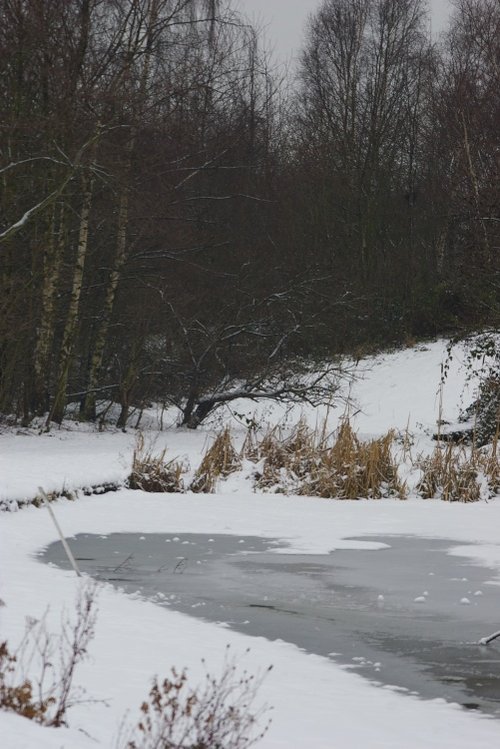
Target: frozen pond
408,615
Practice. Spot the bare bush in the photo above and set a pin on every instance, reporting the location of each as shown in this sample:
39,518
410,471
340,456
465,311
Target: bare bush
216,715
152,473
17,695
37,679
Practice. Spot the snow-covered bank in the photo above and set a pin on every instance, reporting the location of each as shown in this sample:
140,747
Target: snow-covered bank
60,459
392,391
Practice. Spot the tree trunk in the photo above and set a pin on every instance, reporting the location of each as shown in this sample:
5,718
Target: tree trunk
89,405
192,418
45,333
126,386
57,412
477,196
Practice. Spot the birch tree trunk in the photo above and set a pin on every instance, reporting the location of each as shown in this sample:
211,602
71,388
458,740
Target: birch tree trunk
57,411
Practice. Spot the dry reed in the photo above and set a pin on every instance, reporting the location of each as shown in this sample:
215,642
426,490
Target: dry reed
305,464
312,462
220,460
456,473
449,473
152,473
353,469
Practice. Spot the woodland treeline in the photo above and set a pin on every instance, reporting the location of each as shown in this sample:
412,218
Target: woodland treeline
180,221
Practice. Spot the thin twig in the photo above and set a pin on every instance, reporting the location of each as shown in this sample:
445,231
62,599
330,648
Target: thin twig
122,564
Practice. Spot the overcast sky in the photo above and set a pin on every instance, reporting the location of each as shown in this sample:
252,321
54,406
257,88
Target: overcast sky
284,20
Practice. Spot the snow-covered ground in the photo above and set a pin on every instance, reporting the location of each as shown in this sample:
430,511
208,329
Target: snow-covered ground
391,391
316,704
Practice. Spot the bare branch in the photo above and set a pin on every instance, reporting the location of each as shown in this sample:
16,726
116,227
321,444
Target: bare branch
15,164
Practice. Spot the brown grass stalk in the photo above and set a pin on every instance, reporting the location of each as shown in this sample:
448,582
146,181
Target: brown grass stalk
220,460
346,469
455,473
152,473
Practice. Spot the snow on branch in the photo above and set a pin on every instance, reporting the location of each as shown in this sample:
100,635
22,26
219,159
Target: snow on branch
313,389
14,228
14,164
49,199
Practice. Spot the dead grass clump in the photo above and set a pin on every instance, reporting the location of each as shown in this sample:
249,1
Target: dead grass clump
220,460
284,460
491,465
352,469
152,473
305,463
217,715
450,474
455,473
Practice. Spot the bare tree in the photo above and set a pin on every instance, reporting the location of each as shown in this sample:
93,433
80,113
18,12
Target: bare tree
360,72
467,112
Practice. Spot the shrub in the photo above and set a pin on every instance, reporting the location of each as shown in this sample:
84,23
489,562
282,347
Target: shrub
217,715
17,696
284,460
37,501
490,464
47,694
485,411
151,473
